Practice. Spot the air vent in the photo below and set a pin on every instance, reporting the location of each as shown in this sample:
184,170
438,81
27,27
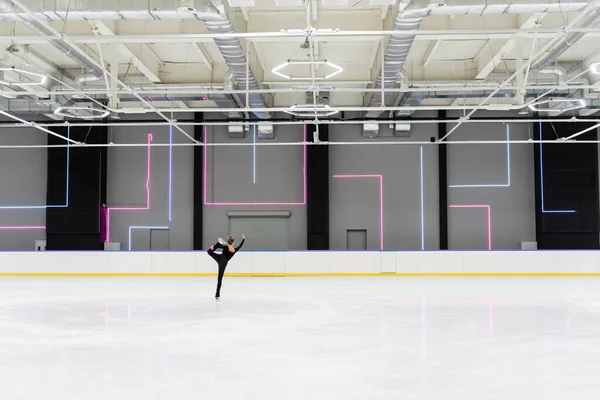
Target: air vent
236,131
265,131
370,130
402,129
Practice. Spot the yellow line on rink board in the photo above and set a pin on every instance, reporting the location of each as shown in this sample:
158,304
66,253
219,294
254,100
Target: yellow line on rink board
310,274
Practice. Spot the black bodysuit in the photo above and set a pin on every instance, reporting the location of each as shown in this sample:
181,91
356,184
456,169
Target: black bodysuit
222,260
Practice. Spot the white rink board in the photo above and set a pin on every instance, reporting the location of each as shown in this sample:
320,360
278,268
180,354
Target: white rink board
305,263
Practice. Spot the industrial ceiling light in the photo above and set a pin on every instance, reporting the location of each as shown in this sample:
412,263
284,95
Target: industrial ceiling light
577,104
595,68
73,112
40,78
336,69
311,110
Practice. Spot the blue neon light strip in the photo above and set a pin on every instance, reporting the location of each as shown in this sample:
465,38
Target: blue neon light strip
422,204
170,173
131,228
66,205
542,182
507,184
254,156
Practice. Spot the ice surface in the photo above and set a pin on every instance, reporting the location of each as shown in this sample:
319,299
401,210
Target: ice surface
299,338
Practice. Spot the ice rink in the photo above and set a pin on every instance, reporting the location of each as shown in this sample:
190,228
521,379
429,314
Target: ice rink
299,338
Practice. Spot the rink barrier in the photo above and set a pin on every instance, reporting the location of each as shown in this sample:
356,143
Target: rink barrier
305,264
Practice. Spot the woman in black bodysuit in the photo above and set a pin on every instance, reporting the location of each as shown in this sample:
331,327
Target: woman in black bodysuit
223,259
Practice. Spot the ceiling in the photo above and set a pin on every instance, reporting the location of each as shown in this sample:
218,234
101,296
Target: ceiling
163,56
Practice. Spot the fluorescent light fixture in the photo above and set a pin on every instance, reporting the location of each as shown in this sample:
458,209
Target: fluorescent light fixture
21,228
311,110
489,217
380,177
170,173
252,204
336,70
254,154
139,208
40,78
66,111
577,103
595,68
422,203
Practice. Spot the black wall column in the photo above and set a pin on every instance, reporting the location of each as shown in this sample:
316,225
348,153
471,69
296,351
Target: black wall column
198,183
317,186
566,188
443,182
73,213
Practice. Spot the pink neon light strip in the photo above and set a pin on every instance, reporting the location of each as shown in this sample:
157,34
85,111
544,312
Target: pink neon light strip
14,228
146,207
206,202
489,217
380,177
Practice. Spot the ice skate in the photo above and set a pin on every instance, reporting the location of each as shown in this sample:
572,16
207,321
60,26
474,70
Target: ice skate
222,242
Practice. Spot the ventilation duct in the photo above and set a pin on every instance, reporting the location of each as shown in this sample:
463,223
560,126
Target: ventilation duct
186,6
569,42
410,14
408,18
7,6
216,21
223,100
211,13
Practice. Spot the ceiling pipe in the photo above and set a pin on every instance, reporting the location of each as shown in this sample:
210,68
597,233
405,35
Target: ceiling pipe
397,50
408,18
216,21
7,6
268,143
164,10
568,43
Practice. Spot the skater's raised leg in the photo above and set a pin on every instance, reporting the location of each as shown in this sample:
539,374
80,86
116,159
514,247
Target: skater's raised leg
215,256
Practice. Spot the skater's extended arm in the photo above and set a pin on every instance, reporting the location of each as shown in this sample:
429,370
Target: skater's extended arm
241,244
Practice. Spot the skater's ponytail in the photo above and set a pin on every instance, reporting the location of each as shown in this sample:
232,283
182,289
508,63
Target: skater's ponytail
230,240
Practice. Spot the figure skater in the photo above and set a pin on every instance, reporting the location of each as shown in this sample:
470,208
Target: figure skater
223,258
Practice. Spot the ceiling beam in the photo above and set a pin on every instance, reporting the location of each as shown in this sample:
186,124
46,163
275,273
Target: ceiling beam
430,52
384,11
277,36
245,13
493,53
149,68
203,55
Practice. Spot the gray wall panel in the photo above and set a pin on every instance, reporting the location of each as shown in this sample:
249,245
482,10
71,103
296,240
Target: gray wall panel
512,207
355,202
279,179
22,183
126,183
